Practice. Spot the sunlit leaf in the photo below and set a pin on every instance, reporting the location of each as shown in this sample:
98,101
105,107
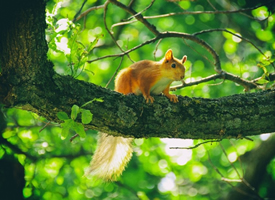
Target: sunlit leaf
262,80
62,116
86,116
79,129
66,126
74,112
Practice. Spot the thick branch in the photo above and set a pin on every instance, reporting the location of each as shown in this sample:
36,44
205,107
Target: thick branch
232,116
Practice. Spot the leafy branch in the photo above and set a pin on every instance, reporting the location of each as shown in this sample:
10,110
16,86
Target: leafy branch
72,48
71,123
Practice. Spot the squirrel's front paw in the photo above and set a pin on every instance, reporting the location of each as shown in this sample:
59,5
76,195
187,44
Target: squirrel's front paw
173,98
149,98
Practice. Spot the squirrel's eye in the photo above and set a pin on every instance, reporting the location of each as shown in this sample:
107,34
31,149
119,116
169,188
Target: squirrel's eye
173,65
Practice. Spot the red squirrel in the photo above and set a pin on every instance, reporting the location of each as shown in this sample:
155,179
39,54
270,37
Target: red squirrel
148,77
144,77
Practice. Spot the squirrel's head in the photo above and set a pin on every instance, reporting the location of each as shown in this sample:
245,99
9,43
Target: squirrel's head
172,67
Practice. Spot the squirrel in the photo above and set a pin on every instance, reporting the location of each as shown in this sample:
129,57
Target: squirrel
143,77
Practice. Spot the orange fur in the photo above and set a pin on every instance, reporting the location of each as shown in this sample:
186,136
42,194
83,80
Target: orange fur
149,77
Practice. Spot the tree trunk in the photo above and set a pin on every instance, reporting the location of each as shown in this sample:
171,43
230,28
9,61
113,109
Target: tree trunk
23,49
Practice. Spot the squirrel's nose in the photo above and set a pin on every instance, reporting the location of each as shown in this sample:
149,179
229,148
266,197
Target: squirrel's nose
182,77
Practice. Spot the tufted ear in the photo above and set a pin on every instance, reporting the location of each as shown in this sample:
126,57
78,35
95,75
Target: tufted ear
184,58
169,55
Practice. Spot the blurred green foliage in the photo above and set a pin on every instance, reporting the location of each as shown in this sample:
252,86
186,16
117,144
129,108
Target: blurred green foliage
54,167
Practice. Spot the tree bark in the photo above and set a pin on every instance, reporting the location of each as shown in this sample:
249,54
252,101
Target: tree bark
29,81
232,116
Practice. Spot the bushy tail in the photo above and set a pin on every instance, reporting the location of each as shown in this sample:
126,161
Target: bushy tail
111,156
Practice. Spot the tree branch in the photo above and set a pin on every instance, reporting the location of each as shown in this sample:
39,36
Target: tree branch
232,116
236,35
85,13
203,12
257,160
139,17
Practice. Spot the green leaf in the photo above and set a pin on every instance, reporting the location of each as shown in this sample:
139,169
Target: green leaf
80,44
64,133
86,116
262,81
79,129
62,116
66,126
75,111
93,43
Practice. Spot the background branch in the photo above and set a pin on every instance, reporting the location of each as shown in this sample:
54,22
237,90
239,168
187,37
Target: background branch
257,160
236,35
202,12
85,13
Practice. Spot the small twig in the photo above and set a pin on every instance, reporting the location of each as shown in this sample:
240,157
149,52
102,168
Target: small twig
139,17
115,72
126,52
209,78
238,156
152,2
240,177
131,3
127,187
197,145
198,52
198,13
245,83
247,138
241,166
84,22
211,5
214,167
202,12
225,76
85,13
169,35
122,23
236,35
106,27
44,126
198,41
73,137
230,161
78,12
229,182
156,48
